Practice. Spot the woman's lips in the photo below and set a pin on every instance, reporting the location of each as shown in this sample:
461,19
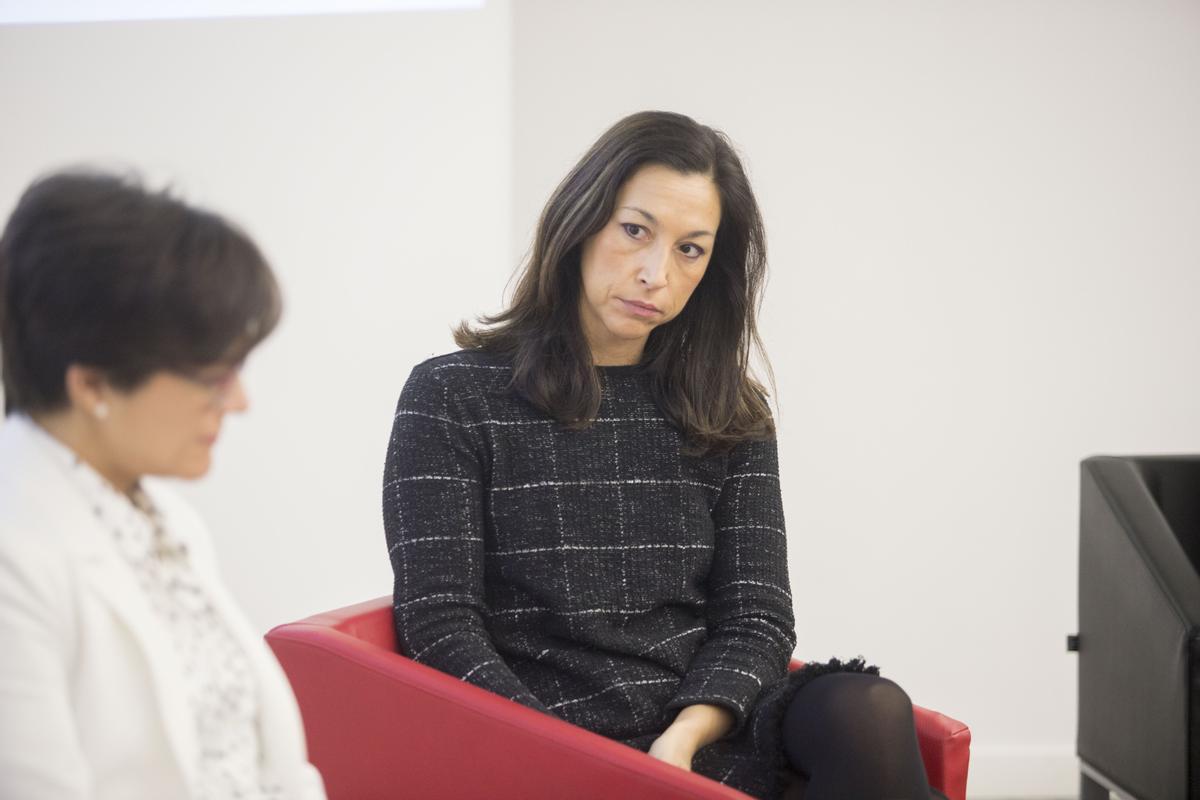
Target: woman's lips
642,310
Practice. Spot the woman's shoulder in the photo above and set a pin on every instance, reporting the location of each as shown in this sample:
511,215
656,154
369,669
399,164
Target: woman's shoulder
463,372
40,512
465,362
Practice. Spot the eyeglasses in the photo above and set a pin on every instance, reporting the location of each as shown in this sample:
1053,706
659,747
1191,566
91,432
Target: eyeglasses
219,381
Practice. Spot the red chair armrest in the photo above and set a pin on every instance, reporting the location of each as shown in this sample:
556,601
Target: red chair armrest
945,749
382,726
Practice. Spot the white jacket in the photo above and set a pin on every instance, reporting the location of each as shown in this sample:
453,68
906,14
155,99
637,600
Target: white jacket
92,703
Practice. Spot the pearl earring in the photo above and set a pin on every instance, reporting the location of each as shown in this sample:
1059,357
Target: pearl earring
101,410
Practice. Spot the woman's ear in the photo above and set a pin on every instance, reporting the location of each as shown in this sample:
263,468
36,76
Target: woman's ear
87,390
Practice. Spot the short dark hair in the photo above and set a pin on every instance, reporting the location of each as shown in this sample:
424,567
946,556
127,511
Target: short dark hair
700,359
97,270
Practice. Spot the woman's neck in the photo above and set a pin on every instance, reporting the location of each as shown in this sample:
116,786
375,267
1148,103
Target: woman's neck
618,354
80,437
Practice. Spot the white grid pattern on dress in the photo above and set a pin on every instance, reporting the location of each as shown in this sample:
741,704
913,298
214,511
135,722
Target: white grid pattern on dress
602,574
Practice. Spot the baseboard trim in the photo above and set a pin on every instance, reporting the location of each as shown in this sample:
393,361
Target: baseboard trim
1022,772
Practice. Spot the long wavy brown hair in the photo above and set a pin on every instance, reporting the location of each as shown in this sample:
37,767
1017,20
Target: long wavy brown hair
699,361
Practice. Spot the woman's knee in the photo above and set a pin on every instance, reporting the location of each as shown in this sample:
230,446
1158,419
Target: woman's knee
850,729
887,701
855,703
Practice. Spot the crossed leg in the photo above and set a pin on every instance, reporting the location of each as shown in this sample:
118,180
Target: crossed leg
851,735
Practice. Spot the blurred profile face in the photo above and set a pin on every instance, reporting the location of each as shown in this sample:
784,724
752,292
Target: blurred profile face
640,269
168,424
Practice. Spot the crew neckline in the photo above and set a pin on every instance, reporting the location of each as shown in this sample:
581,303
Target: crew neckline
620,369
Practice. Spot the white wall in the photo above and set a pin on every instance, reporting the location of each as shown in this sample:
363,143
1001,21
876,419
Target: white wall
985,255
363,153
982,220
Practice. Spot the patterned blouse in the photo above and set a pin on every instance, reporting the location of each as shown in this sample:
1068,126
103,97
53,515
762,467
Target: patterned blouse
222,691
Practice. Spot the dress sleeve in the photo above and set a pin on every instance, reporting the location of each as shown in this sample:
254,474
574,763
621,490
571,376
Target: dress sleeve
433,515
751,627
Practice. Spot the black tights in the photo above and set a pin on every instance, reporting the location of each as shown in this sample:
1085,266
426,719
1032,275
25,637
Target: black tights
851,735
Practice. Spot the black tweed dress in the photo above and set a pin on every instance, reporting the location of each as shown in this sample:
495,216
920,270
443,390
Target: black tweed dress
602,576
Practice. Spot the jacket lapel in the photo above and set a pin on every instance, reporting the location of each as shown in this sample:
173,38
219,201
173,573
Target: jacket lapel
111,579
31,464
279,718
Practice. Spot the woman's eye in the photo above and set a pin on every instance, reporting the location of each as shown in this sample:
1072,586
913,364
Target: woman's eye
691,250
218,378
633,229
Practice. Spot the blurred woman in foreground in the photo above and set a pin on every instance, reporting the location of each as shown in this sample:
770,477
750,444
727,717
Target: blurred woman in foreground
128,670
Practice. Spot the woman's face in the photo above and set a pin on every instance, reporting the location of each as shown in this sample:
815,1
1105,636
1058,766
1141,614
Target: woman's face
168,424
640,269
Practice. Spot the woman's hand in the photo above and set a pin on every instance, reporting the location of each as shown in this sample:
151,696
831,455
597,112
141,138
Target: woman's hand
674,748
694,727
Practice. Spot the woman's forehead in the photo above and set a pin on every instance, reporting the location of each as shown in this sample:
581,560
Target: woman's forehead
672,198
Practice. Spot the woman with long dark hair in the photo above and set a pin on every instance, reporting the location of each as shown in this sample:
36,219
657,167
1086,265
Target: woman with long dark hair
583,505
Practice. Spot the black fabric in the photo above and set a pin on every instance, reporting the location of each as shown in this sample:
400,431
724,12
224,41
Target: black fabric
1194,716
600,575
1139,612
1174,484
853,735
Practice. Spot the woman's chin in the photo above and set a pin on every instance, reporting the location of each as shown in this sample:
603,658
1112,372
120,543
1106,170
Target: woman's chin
630,330
195,467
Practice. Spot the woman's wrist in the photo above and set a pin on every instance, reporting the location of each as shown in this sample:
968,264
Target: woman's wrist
700,724
685,734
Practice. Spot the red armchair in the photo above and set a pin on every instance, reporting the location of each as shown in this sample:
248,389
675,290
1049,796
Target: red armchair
382,726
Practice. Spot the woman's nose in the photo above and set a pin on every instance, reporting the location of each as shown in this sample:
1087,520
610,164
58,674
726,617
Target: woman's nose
235,399
653,272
